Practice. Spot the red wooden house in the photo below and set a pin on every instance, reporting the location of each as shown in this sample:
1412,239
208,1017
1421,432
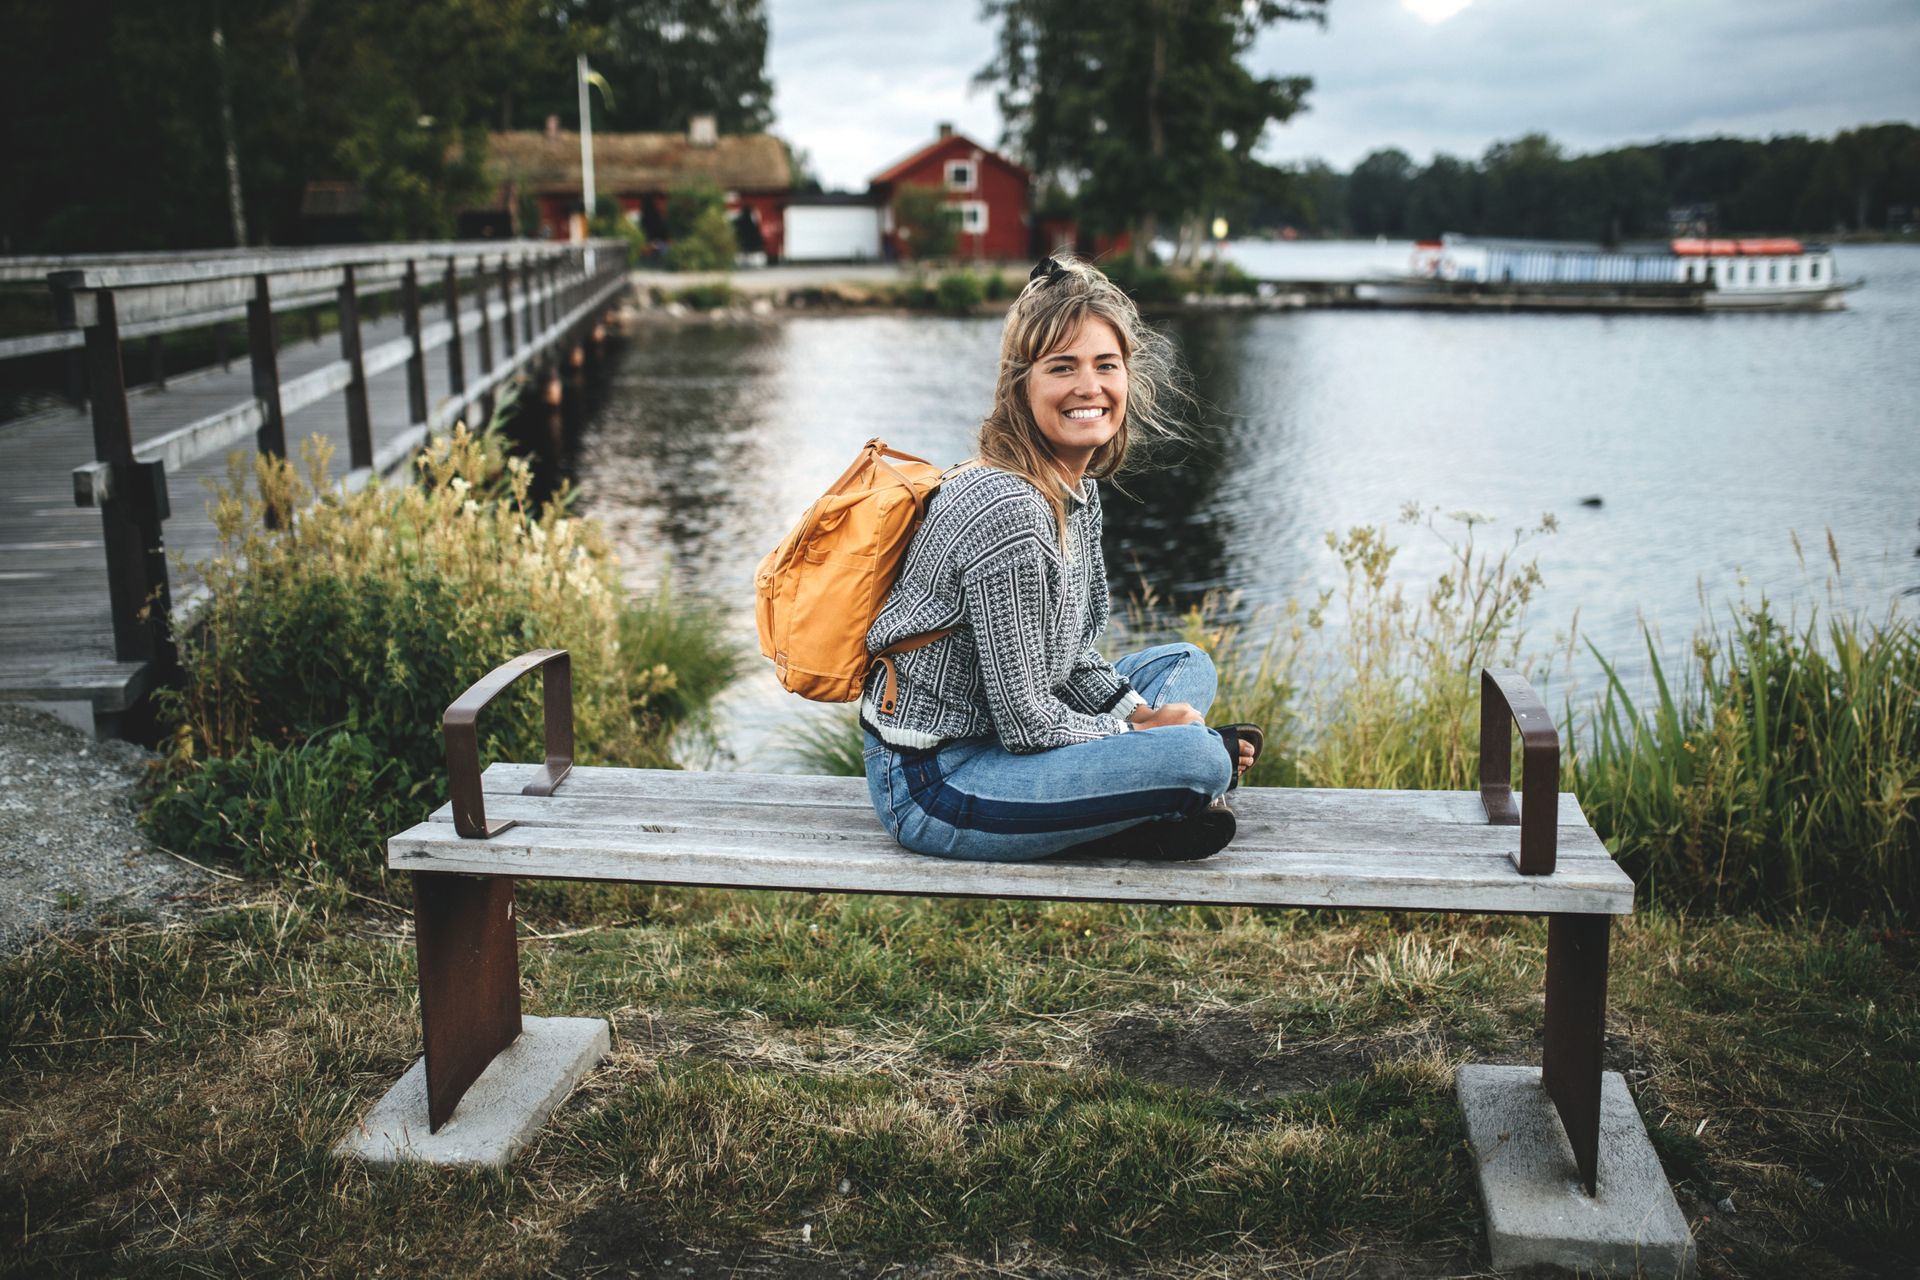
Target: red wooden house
989,191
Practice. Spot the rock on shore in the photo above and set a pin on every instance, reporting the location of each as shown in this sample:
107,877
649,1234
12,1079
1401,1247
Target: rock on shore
70,850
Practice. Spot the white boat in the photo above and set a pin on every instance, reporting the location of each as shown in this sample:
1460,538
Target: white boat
1775,273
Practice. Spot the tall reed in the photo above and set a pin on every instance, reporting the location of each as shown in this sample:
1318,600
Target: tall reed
1369,685
1782,773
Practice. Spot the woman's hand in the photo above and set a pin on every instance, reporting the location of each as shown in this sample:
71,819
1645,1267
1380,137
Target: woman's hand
1183,713
1160,717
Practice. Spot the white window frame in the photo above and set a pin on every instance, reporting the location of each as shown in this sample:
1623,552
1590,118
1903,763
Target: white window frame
965,212
972,171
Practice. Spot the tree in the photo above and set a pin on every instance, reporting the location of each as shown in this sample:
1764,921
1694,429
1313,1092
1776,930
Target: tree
1443,197
1524,187
667,61
1378,192
1142,108
928,224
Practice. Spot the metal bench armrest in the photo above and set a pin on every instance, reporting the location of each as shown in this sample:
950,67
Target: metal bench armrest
463,738
1506,699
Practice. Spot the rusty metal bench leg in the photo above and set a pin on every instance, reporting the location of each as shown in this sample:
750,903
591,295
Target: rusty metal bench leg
1575,1033
469,980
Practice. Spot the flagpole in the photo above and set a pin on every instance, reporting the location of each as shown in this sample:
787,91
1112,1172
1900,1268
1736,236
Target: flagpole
586,152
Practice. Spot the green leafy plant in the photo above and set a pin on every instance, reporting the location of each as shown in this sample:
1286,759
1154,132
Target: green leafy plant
929,226
706,297
700,238
831,744
337,626
1146,285
958,291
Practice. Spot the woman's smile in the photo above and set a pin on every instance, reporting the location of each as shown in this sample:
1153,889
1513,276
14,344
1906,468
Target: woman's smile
1078,394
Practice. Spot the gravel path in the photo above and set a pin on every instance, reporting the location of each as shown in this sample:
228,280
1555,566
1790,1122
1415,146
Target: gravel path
70,851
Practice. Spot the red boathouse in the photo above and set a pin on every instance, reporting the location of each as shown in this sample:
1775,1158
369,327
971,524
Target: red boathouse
989,192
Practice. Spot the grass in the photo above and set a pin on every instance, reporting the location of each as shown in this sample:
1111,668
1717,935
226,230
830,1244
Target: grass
821,1079
1782,772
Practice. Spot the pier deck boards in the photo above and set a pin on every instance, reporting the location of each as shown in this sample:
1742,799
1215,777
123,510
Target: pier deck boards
56,627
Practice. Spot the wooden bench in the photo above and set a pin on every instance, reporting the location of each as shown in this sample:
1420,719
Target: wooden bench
1491,851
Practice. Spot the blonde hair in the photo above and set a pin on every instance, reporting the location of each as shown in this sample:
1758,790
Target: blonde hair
1045,318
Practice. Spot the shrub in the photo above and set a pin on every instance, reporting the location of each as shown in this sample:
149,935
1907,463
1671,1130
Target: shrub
929,226
1224,276
700,238
610,220
288,807
336,628
678,643
958,291
705,297
1147,286
998,287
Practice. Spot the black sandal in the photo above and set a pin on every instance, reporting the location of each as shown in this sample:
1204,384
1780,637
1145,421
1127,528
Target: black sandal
1235,734
1188,839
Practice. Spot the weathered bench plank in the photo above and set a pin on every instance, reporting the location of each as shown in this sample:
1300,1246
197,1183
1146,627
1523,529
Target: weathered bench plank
1267,824
1331,804
1344,854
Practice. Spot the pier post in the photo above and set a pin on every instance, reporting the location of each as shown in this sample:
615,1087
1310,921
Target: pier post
486,337
417,362
130,520
526,296
359,422
76,362
505,279
456,354
546,300
264,354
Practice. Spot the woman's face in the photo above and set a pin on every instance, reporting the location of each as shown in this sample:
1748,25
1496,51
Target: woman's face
1078,393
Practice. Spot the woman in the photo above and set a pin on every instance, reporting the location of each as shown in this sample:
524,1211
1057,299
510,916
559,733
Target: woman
1010,738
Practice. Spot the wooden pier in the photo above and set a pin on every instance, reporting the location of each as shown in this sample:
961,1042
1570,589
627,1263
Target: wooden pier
94,500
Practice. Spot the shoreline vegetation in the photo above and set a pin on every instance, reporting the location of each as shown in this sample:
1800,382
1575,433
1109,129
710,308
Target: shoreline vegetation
820,1084
944,289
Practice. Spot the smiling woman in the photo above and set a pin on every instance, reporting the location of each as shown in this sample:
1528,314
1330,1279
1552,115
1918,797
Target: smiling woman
1009,737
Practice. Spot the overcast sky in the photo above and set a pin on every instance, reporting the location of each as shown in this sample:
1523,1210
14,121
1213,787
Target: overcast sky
860,83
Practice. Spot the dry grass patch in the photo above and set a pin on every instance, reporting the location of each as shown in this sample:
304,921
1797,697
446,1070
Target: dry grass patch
811,1085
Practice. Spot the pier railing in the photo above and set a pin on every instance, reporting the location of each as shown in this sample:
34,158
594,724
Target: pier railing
526,298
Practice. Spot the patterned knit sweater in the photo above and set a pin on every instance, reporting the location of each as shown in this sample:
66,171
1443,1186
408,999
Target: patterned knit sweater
988,560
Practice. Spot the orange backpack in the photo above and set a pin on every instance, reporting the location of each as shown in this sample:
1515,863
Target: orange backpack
818,592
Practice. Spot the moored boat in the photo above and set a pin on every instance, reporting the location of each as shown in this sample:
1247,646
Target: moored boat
1751,274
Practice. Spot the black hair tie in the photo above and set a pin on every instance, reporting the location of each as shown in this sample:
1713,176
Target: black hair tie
1048,268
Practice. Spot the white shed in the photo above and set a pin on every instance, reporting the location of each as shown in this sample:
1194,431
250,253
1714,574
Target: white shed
832,229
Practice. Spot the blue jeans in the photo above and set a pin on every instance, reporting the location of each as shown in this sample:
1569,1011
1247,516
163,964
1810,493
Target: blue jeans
974,799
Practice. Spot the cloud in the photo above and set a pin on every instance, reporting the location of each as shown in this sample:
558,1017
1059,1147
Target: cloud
861,83
1590,75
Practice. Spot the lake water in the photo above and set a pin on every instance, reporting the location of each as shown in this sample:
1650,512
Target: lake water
1708,441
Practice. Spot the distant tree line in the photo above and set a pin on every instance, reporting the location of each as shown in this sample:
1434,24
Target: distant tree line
1862,180
127,126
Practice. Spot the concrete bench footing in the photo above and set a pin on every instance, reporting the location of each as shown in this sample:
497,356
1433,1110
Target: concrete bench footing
499,1113
1537,1211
